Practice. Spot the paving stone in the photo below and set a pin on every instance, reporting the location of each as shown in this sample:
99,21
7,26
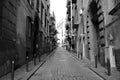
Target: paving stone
62,66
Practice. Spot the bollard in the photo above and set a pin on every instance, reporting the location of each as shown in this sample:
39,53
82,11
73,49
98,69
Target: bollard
81,56
95,61
27,63
12,71
78,55
34,59
39,57
108,67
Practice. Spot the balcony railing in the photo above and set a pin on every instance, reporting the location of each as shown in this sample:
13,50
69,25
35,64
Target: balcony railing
116,9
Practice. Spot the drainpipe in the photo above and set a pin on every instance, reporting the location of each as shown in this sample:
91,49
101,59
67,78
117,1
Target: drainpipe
71,25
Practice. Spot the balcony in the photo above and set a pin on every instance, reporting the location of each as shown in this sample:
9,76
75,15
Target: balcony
67,26
68,10
68,3
75,26
69,18
116,9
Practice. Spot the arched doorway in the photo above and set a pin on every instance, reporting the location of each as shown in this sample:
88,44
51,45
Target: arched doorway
36,36
29,39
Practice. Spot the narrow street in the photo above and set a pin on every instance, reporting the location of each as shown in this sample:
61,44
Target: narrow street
62,66
32,30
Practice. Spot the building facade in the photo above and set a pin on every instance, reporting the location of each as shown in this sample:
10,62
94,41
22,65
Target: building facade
8,18
100,18
24,32
52,31
112,32
98,30
71,23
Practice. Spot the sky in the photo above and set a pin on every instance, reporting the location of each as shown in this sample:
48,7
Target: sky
59,8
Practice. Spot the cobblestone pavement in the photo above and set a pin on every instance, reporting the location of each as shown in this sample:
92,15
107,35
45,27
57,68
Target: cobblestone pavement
62,66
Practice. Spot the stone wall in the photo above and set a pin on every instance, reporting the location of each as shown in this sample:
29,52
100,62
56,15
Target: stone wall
92,39
8,10
24,11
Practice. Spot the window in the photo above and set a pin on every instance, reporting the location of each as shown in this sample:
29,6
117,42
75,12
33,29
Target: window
37,7
42,8
101,17
101,25
28,26
31,3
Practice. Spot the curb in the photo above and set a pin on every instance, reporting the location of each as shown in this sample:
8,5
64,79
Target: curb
36,70
88,67
97,73
40,65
